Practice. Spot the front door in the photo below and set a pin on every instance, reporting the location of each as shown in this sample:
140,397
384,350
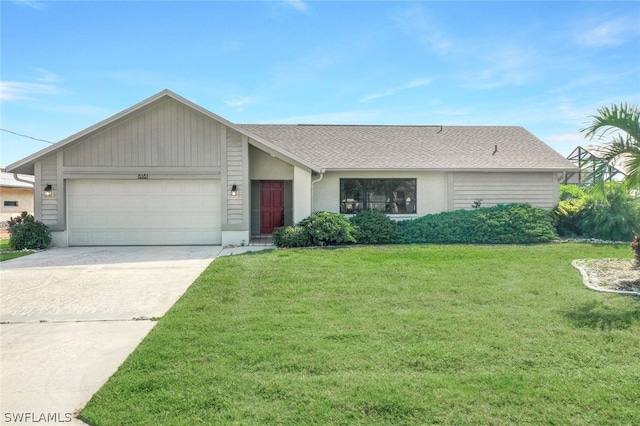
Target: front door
271,205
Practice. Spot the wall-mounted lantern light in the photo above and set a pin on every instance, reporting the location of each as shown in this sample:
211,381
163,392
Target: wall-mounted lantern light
48,191
234,190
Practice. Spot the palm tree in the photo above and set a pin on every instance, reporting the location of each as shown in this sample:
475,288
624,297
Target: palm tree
622,124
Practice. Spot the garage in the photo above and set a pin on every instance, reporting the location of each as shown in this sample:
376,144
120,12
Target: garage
143,212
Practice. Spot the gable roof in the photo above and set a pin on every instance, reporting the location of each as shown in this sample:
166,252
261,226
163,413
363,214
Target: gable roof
342,147
365,147
26,165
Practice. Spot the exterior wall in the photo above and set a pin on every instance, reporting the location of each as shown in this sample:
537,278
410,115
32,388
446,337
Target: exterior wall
167,134
165,141
302,188
266,167
431,190
538,189
22,196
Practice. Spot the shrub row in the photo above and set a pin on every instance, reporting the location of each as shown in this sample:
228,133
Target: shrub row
504,224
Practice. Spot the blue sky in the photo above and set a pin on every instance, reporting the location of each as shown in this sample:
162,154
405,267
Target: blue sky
542,65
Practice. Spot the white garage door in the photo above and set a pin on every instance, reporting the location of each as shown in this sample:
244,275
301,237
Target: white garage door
143,212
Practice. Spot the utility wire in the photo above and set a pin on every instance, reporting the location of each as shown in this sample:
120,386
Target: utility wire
29,137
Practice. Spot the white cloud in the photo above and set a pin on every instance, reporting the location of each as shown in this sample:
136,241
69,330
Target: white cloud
20,90
507,67
298,5
239,104
393,90
613,32
33,4
43,84
416,22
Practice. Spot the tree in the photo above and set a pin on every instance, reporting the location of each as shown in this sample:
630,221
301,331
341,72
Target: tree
620,123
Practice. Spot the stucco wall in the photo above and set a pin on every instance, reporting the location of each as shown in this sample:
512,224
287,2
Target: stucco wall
431,190
22,196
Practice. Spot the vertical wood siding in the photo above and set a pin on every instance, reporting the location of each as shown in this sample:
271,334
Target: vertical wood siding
235,175
504,188
49,173
167,134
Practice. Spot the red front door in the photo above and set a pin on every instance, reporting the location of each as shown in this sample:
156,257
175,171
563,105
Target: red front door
271,205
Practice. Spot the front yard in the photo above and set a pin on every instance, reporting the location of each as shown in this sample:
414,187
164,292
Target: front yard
7,252
387,335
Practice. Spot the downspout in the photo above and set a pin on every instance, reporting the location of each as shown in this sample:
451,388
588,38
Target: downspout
313,183
15,176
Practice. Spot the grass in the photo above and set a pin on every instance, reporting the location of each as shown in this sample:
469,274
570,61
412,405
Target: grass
7,252
399,335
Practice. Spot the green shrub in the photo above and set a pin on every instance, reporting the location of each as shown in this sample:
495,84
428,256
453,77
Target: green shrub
28,233
374,227
503,224
329,228
569,192
635,246
291,236
610,215
566,217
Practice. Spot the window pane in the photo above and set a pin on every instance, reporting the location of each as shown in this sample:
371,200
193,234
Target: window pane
391,196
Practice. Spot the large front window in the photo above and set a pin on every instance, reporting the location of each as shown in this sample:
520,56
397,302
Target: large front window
391,196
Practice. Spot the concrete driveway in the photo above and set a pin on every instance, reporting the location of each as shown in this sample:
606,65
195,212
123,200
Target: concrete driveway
71,316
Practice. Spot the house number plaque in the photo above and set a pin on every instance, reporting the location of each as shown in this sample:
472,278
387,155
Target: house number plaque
143,176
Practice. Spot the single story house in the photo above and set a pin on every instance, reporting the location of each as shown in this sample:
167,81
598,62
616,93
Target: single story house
16,195
167,171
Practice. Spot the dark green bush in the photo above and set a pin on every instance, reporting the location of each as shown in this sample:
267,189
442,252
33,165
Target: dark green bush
291,236
27,233
374,227
610,215
503,224
326,228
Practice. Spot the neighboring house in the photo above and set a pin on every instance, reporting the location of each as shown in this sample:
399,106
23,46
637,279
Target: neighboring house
587,158
16,195
167,171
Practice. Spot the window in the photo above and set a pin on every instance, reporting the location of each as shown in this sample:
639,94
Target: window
391,196
11,204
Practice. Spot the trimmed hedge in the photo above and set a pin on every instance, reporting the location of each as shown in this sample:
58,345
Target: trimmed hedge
374,227
291,236
504,224
327,228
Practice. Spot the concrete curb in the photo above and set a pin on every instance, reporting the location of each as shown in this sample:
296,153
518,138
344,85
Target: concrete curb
587,282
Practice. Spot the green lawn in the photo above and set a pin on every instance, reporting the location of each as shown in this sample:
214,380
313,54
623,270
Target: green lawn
7,252
387,335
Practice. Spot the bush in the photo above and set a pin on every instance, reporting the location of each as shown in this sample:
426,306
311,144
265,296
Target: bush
329,228
291,236
570,192
503,224
566,217
373,227
28,233
635,246
610,215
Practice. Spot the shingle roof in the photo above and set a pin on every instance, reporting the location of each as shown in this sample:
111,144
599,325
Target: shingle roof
413,147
